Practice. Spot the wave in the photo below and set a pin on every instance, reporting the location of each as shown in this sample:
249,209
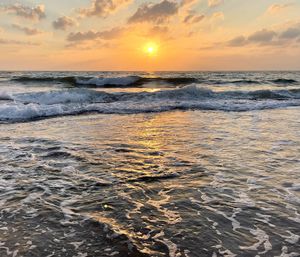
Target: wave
27,79
191,92
117,81
139,81
124,81
5,96
279,81
64,97
32,106
284,81
240,81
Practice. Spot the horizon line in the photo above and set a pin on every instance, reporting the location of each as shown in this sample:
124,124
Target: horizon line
217,70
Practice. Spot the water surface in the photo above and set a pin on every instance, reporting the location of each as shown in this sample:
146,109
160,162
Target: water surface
184,181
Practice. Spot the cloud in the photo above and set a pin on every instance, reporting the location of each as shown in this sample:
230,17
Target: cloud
102,8
32,13
192,18
155,13
63,23
215,3
17,42
237,41
276,8
291,32
82,36
91,35
188,2
28,31
217,16
262,36
87,45
159,30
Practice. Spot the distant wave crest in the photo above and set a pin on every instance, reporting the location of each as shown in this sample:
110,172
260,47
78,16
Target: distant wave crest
138,81
124,81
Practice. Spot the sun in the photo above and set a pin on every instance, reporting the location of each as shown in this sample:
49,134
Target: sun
151,49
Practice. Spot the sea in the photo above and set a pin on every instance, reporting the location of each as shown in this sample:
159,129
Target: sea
149,164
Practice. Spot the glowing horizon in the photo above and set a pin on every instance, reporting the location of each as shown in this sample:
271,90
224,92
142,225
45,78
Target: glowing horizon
150,35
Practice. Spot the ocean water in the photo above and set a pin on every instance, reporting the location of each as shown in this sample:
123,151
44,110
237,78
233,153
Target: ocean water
189,164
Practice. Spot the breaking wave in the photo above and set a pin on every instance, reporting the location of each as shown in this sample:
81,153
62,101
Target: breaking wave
31,106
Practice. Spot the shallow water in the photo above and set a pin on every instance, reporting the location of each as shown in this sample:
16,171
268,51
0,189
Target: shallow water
177,183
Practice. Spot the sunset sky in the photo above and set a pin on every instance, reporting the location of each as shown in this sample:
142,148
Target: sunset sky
149,35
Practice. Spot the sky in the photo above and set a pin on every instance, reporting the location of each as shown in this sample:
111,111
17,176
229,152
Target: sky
149,35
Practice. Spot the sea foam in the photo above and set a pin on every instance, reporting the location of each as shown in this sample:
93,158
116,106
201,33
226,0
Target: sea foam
37,105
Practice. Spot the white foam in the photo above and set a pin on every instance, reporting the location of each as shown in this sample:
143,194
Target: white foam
234,222
285,253
66,209
5,96
244,200
61,97
77,244
262,239
172,217
12,112
32,197
172,247
30,106
227,253
292,238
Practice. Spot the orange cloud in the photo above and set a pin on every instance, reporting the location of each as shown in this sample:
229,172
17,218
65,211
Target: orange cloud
33,13
193,18
102,8
276,8
217,16
91,35
17,42
279,37
214,3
